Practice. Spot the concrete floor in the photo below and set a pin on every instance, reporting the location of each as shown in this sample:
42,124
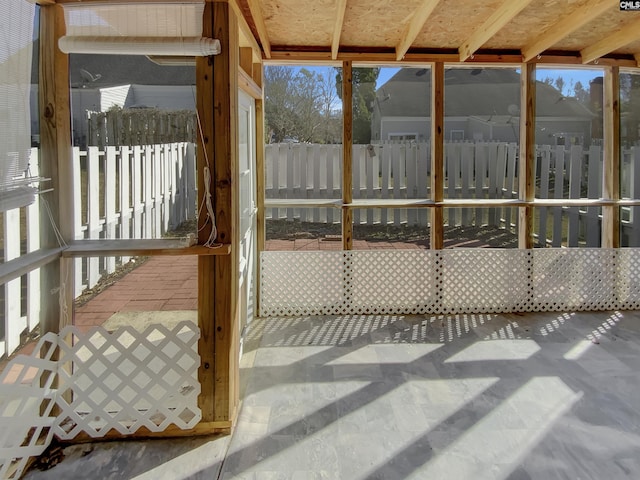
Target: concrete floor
535,396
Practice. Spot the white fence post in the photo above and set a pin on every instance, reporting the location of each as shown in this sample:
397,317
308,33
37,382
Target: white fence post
125,193
136,184
14,322
33,244
93,210
79,202
110,221
190,180
544,165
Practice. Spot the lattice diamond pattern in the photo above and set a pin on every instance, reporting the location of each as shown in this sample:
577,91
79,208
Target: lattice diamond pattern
127,379
576,279
26,403
483,280
628,266
448,281
302,283
391,282
122,380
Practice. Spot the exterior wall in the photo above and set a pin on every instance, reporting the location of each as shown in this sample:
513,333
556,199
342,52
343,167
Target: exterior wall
548,131
114,96
420,126
165,97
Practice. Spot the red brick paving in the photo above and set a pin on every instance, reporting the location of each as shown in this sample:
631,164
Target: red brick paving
159,284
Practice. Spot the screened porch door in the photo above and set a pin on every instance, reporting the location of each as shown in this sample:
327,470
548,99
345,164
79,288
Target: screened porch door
246,174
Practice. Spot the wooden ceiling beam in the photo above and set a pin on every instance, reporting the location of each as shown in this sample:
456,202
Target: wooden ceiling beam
491,26
565,26
413,28
622,37
337,29
298,57
258,18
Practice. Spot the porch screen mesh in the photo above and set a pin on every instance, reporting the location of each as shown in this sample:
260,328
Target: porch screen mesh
16,46
142,29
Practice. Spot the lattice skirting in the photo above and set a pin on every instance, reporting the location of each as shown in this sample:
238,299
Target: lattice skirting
101,381
448,281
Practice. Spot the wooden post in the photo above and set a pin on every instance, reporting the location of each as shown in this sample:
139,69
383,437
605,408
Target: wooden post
347,155
246,60
611,162
526,172
217,86
437,154
56,154
257,74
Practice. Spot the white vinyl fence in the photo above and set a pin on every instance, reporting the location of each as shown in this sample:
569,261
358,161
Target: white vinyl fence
119,192
129,192
480,170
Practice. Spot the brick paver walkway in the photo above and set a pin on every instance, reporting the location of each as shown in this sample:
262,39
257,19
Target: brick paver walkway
160,284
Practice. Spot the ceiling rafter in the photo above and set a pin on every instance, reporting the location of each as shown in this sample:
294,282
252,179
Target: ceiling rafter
418,19
258,18
341,9
622,37
491,26
565,26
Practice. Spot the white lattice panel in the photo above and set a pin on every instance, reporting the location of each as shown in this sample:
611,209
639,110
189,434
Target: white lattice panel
128,379
449,281
26,403
302,283
483,280
391,282
574,279
628,267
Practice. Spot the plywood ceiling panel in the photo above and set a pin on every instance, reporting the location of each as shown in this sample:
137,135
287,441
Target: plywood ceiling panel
454,21
299,23
534,21
376,24
603,26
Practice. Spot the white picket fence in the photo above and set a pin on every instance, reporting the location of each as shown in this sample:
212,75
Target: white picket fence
479,170
118,192
133,192
20,297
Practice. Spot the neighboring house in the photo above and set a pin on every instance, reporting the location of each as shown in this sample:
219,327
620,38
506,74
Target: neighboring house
100,82
480,104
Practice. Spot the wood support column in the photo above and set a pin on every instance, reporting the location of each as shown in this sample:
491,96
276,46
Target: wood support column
55,163
217,98
246,60
526,171
611,162
437,154
347,155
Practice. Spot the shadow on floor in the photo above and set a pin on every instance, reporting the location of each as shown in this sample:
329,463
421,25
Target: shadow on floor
533,396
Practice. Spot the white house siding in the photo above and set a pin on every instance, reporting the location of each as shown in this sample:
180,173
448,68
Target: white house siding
114,96
548,129
165,97
420,126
